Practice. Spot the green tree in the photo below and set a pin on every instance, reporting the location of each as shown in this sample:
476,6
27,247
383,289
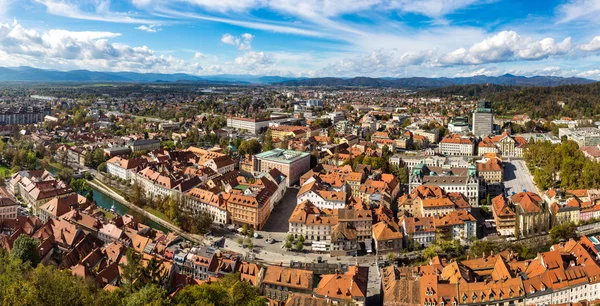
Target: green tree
563,232
299,246
98,157
65,174
251,146
391,257
229,291
153,273
25,249
131,270
267,141
80,185
430,252
102,167
149,295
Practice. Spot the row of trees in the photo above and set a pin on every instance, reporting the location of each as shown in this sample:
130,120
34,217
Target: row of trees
562,162
23,284
171,207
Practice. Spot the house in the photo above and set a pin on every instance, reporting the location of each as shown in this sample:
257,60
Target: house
8,208
280,282
343,288
317,193
58,207
417,231
387,237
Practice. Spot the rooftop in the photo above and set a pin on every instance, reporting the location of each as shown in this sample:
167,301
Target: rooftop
282,156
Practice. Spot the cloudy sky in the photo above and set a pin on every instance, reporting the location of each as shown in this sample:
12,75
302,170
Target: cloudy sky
391,38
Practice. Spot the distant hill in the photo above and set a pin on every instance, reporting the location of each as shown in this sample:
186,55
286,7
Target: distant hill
29,74
420,82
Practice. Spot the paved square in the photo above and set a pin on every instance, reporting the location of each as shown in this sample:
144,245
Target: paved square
517,178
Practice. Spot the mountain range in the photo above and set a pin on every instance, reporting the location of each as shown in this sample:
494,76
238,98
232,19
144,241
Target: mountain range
29,74
420,82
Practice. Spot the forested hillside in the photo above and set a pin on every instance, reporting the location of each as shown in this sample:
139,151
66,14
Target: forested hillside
538,102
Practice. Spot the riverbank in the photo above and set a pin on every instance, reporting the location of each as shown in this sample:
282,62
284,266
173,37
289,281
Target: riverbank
101,187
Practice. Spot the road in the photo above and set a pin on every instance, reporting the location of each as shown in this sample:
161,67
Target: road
517,177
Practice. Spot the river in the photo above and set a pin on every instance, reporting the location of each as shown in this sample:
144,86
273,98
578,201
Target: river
106,202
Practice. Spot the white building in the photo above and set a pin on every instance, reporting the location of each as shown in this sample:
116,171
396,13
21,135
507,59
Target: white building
313,191
455,145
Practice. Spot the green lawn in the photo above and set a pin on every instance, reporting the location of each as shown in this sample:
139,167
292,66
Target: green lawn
157,213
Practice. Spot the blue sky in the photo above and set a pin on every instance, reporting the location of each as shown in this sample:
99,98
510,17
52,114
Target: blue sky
314,38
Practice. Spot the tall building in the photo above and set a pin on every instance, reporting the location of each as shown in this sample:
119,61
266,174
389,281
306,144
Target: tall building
483,119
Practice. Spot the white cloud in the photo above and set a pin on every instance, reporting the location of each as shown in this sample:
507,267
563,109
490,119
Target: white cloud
506,46
594,73
593,45
242,43
199,55
61,49
100,12
432,8
253,60
151,28
481,71
579,10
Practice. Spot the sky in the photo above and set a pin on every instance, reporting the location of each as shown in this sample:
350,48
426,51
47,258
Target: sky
306,38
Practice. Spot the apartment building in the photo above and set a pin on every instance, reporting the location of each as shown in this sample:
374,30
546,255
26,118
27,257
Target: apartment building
457,225
252,210
124,168
462,180
23,114
457,145
504,216
314,224
198,200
